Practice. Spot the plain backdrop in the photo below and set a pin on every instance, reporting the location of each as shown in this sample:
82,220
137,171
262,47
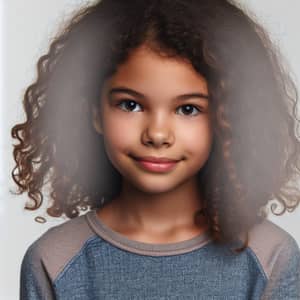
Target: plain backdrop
26,28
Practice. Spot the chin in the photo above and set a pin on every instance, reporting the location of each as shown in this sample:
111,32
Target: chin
155,188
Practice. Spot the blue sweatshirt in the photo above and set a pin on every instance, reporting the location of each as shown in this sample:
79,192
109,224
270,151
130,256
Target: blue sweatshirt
83,259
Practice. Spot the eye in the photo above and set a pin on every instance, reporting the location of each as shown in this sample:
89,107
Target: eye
128,103
189,108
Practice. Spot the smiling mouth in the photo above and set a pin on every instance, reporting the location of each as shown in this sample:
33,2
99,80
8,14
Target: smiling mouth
156,166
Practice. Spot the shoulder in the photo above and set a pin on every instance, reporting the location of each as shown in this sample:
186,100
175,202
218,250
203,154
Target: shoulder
272,246
54,249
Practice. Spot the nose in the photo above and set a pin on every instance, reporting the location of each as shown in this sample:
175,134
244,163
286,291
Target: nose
158,132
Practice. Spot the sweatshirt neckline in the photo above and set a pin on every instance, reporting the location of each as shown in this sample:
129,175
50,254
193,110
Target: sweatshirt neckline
121,241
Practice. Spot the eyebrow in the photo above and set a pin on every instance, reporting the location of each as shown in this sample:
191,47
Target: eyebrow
137,94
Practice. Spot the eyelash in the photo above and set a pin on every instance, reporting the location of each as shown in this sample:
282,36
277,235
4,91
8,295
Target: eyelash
129,100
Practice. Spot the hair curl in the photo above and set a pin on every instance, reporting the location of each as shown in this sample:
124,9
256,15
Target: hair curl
254,157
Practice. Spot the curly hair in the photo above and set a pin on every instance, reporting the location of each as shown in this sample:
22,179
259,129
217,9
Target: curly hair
254,157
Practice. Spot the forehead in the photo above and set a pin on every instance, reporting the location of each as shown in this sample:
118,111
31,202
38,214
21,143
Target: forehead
150,73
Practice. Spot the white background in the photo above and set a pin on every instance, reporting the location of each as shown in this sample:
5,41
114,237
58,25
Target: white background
25,31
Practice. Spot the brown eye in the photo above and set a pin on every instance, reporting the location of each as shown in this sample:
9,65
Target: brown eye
128,104
190,108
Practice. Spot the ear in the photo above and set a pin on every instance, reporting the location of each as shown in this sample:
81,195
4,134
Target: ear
97,120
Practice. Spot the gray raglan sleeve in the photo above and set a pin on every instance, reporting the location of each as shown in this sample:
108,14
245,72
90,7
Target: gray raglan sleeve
34,280
284,281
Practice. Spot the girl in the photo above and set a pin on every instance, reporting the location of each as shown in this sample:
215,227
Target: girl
173,122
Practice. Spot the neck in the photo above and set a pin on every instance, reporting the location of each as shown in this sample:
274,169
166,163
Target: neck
161,212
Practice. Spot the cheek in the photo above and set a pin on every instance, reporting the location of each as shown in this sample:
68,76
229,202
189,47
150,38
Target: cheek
198,140
119,133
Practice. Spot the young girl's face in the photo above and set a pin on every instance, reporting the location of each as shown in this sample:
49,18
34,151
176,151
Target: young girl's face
155,106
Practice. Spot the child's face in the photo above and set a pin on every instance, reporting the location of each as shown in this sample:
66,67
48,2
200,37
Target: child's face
159,123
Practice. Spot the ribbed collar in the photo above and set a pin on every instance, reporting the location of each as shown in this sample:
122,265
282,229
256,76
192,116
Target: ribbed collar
138,247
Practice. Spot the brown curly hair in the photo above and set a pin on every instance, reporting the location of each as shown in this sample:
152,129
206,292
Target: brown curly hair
254,158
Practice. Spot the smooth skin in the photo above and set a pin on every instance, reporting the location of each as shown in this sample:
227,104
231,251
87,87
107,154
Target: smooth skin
154,119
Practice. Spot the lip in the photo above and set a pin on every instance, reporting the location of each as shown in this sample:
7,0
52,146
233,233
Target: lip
154,159
156,164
